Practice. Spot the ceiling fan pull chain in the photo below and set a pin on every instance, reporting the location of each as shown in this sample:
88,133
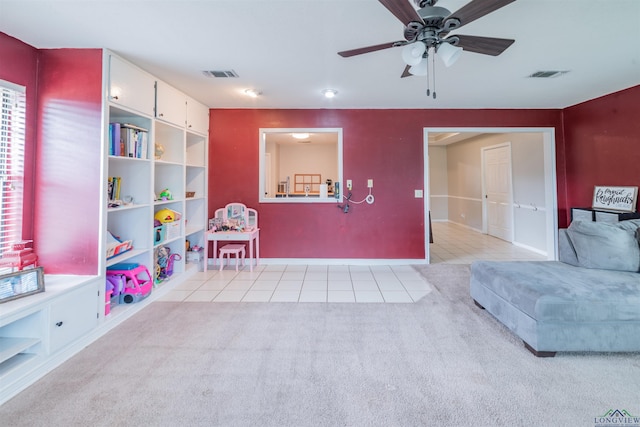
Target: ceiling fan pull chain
428,89
433,70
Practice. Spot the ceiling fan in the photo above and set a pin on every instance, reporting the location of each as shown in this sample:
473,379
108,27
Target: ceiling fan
427,31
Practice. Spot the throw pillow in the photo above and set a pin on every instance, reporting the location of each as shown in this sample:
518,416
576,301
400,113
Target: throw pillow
631,224
605,246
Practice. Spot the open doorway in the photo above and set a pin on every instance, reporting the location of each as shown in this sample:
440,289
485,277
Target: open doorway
456,192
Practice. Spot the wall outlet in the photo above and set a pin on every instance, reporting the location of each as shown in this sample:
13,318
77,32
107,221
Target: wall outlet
349,185
417,194
369,183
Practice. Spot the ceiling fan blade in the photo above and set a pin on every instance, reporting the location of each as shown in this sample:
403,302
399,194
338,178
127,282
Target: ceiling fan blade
485,45
402,10
406,72
360,51
476,9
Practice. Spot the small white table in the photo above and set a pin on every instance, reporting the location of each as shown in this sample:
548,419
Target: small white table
251,236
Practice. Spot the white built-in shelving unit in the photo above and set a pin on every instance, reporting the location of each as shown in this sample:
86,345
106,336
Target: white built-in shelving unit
39,332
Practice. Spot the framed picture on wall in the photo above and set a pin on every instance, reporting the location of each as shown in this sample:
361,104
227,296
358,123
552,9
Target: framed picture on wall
617,199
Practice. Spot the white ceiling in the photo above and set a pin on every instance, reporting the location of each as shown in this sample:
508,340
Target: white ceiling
288,49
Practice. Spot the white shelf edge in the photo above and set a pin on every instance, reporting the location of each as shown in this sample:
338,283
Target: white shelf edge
15,362
125,256
127,207
11,346
193,229
128,159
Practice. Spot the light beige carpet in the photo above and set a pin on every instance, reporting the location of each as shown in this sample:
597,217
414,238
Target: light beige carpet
438,362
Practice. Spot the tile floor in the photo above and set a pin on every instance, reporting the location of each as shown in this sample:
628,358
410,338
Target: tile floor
343,283
455,244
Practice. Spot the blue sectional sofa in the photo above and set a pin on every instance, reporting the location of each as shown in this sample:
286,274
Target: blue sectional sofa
589,300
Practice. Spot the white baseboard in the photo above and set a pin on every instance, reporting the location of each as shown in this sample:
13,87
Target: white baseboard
465,226
530,248
337,261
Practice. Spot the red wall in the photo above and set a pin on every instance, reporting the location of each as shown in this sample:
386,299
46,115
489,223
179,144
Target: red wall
68,179
385,145
63,146
19,65
603,144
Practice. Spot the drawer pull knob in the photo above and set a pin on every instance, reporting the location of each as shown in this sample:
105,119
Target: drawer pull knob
58,324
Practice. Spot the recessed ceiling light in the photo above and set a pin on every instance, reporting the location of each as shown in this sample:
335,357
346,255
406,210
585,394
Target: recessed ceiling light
300,135
329,93
254,93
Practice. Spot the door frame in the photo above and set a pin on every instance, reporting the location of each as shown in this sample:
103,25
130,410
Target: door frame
550,183
485,219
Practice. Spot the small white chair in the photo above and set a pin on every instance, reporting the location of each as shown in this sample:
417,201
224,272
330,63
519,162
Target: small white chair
232,249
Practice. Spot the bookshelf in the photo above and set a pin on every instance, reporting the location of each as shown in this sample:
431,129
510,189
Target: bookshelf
174,165
40,332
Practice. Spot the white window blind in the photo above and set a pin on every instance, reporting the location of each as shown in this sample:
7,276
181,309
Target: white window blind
12,134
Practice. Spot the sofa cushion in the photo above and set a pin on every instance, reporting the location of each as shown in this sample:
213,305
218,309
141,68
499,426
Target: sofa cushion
605,246
551,291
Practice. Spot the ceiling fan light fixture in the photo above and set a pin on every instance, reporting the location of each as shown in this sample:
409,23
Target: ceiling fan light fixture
421,68
449,53
329,93
412,53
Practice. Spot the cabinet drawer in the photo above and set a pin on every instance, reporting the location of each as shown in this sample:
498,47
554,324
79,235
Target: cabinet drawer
72,316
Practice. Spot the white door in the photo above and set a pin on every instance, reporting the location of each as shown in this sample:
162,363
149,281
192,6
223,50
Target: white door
497,184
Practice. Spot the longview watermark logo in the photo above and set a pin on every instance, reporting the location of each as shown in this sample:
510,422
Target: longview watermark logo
617,418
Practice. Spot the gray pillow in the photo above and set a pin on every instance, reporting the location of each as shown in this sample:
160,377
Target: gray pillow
631,224
566,251
605,246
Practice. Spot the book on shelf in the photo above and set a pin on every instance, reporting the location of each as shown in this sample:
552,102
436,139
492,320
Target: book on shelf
114,184
114,139
127,140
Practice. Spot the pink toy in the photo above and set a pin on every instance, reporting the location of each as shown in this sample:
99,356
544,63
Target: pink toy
172,258
137,286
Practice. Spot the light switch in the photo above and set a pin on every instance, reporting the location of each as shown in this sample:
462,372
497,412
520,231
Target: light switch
418,194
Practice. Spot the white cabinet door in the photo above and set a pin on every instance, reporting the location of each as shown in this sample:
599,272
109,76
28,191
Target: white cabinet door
72,315
171,104
131,87
197,117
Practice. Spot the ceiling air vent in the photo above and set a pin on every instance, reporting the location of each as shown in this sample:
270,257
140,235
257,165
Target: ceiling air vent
220,73
547,74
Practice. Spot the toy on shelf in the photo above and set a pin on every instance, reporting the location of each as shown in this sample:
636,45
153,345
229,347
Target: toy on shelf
20,256
170,261
116,246
165,195
194,254
158,151
167,215
169,225
164,263
136,286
